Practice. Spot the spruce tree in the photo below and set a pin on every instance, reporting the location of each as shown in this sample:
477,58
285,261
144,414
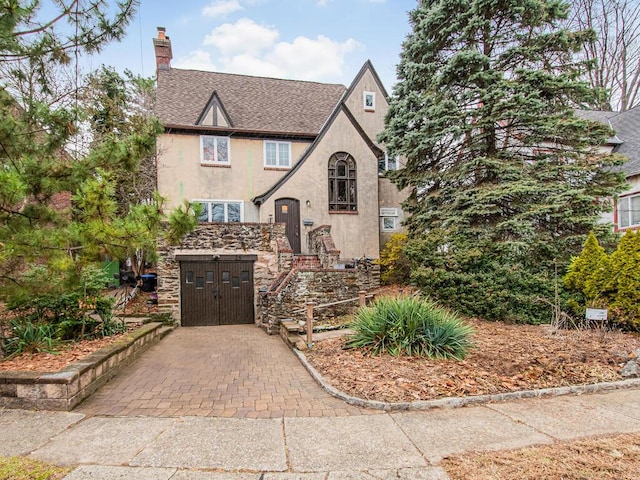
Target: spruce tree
505,178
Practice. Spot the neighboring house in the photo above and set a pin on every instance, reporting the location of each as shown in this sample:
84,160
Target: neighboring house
626,212
271,154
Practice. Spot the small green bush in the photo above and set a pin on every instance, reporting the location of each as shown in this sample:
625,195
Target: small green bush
409,326
31,338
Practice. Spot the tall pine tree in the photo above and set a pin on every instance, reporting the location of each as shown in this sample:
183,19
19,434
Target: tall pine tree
506,181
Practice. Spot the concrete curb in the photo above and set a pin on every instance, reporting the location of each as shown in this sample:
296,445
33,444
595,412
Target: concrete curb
456,402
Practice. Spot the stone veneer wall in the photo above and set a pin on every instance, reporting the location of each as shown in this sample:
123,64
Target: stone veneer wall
267,241
288,300
321,244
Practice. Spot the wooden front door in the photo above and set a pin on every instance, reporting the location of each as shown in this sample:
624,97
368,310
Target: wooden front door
288,212
216,292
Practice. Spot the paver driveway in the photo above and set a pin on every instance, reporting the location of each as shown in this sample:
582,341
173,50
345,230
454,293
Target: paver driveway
224,371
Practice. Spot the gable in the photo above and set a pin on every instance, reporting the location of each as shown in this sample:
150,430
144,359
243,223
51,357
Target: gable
214,114
357,131
367,100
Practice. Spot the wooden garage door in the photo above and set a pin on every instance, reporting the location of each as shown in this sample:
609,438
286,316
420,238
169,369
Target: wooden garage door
216,292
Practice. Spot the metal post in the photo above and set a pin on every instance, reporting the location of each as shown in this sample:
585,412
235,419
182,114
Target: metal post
362,298
310,324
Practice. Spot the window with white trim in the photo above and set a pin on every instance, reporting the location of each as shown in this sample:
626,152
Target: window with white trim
221,211
214,150
388,219
388,224
388,163
629,211
277,154
369,101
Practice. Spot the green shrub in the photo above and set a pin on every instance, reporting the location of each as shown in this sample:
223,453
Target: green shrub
588,272
409,326
625,280
28,337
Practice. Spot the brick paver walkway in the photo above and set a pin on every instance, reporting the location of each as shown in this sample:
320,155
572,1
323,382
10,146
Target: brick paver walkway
225,371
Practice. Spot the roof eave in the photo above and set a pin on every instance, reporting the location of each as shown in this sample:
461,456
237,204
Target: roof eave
230,131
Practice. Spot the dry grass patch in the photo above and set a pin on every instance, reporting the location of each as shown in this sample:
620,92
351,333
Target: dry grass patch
610,458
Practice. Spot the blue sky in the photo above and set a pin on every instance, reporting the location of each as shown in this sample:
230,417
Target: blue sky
320,40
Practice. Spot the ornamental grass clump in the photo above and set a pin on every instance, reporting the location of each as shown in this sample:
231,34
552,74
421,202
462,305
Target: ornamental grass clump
410,326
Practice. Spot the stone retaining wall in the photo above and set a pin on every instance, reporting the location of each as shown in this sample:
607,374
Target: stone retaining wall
65,389
320,286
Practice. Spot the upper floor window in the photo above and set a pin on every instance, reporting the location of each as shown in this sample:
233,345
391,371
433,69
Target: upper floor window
388,163
220,211
369,101
629,211
277,154
342,183
214,150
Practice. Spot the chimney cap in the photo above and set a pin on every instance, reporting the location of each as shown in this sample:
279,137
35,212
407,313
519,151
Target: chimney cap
161,33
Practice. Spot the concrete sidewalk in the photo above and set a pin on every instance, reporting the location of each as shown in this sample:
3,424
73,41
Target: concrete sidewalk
406,445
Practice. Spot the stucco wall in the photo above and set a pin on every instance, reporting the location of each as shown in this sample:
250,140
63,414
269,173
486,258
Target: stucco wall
354,234
371,122
181,176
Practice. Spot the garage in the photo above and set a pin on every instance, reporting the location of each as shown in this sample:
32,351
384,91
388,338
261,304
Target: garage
216,290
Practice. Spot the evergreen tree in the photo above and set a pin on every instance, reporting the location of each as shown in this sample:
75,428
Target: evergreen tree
625,280
506,181
584,272
46,238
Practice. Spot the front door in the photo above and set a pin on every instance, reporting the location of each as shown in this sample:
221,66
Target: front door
216,292
288,212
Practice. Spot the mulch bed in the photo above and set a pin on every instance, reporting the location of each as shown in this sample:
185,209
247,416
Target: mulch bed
505,358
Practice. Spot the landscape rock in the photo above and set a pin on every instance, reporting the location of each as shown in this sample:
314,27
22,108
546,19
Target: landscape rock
631,369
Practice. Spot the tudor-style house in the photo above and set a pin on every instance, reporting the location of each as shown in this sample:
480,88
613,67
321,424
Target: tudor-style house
268,155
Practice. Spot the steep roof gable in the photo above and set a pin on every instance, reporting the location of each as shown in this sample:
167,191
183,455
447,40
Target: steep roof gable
341,107
214,113
251,103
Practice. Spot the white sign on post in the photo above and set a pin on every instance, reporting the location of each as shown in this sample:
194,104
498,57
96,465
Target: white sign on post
596,314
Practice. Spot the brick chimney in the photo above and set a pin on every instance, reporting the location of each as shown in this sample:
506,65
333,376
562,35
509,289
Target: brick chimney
162,47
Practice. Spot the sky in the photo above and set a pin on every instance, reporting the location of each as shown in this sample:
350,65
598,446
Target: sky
318,40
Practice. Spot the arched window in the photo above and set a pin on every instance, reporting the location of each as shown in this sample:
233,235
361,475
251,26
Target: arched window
343,193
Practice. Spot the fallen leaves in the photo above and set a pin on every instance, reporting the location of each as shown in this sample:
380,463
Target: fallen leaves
506,358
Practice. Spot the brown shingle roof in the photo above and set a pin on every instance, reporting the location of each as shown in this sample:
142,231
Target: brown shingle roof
252,103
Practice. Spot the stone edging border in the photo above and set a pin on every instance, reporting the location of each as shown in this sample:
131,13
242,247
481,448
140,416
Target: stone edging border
66,388
455,402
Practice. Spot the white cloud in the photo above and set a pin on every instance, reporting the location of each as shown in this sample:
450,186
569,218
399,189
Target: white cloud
312,59
196,60
243,37
246,47
221,8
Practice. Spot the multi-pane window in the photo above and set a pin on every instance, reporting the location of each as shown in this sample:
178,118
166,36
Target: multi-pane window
277,154
342,183
214,150
629,211
388,163
220,211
